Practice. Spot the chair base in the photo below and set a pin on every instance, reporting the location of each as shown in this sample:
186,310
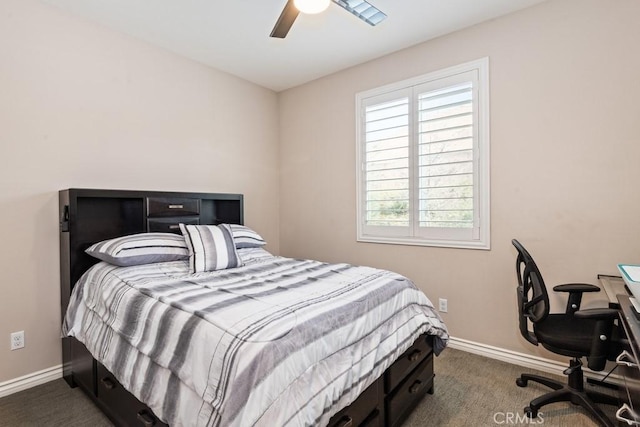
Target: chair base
572,392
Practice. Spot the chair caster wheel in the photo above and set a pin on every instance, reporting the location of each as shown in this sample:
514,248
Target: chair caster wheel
531,413
521,383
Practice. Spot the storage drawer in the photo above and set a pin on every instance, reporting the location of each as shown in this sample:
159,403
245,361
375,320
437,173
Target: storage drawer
363,411
400,403
172,206
170,225
375,419
128,410
407,362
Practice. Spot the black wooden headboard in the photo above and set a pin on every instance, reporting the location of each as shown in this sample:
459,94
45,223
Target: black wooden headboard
88,216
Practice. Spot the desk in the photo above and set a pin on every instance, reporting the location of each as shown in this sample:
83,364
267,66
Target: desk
613,286
618,295
629,414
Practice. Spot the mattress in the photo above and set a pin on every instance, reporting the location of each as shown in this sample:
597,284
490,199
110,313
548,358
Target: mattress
278,341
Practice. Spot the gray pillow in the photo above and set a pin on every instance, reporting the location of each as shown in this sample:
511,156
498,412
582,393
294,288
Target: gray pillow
138,249
246,237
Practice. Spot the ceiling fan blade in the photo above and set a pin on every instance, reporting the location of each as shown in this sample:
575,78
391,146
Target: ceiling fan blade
285,21
363,10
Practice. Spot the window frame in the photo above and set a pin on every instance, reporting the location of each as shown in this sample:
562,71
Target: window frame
441,237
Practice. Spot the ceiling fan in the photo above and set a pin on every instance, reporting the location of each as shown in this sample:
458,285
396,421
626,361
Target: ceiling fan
359,8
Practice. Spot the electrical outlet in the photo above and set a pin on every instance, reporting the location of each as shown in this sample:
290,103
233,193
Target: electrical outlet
17,340
443,305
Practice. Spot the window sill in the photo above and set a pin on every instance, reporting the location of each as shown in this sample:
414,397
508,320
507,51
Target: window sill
412,241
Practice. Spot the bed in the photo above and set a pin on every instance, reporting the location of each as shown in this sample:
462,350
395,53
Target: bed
264,340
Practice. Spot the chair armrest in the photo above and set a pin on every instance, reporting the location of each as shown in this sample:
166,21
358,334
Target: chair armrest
575,294
597,314
576,287
603,343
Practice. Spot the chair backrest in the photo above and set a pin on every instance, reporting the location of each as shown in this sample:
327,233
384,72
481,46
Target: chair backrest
533,301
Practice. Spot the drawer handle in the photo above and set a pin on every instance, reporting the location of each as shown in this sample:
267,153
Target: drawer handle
174,227
345,421
108,384
626,359
373,416
415,387
146,419
176,206
624,412
415,355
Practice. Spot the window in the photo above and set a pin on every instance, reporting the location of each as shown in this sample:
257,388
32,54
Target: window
423,159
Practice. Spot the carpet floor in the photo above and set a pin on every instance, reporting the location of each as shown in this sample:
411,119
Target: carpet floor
470,390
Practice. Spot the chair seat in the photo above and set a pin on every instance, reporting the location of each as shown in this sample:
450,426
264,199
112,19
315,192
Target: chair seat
565,334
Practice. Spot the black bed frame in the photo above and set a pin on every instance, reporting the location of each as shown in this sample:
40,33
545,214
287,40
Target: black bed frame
88,216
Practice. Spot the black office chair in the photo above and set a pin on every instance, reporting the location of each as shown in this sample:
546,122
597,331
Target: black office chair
575,333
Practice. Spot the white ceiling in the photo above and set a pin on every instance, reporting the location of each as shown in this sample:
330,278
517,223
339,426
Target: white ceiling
233,35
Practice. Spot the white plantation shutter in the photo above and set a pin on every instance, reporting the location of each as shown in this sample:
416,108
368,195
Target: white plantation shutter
386,163
423,160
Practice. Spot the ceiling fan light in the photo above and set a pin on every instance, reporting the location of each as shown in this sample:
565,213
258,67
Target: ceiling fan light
311,6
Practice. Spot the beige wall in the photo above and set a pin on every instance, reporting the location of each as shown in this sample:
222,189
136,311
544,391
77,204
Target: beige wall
565,126
81,106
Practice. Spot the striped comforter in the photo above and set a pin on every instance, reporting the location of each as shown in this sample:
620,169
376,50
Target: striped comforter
275,342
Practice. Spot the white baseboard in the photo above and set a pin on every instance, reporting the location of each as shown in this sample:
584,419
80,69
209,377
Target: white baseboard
30,380
513,357
522,359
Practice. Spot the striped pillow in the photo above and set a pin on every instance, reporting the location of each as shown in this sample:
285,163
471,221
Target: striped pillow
246,237
211,247
138,249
